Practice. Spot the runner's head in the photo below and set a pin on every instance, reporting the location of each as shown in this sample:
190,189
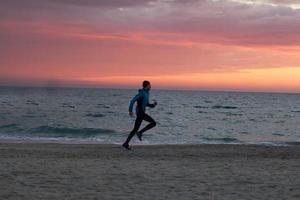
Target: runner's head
146,85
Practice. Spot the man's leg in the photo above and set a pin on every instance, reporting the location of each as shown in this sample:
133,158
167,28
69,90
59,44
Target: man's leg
137,125
149,126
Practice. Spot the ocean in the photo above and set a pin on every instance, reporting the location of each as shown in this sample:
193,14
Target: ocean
72,115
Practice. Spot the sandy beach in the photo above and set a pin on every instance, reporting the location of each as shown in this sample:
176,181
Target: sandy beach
64,171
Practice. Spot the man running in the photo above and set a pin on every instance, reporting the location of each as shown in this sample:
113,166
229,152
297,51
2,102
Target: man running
142,99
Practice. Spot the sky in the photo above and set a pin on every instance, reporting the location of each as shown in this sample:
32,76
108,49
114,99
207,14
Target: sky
244,45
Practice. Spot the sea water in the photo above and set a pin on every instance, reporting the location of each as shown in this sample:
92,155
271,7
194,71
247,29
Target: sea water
183,117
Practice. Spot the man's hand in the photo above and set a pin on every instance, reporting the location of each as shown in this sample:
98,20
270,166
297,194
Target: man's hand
130,114
155,102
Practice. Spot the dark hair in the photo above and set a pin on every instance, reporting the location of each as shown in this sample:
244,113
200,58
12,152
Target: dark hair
145,83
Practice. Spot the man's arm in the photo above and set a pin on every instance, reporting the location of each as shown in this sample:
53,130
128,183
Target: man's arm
133,100
152,105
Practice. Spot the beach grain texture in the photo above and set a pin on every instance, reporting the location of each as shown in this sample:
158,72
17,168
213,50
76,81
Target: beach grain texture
30,171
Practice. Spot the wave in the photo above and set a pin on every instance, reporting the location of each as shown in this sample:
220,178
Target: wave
9,126
201,111
95,115
200,107
279,122
278,134
224,107
293,143
225,139
232,114
29,116
101,105
46,131
66,105
29,102
244,132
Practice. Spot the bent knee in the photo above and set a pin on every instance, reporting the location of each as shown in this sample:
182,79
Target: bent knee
153,123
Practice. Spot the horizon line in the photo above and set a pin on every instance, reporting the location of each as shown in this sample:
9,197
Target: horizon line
157,88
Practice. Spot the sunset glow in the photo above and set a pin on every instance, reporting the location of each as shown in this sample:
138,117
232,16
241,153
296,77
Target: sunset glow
245,45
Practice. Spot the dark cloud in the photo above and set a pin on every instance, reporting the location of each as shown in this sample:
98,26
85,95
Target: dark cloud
192,20
62,10
96,3
275,2
106,3
230,22
285,1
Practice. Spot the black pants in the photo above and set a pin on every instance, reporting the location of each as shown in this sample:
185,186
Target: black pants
137,124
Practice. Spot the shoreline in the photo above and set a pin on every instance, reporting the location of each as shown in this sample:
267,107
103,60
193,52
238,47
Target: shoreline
95,142
80,171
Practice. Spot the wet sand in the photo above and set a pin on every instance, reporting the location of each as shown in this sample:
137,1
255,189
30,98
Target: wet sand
64,171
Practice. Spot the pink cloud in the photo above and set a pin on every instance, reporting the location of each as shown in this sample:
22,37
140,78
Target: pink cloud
70,39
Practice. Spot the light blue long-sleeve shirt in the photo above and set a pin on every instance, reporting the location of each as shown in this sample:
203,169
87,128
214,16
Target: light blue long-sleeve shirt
142,99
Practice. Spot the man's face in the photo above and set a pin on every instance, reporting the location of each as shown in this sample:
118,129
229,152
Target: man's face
149,87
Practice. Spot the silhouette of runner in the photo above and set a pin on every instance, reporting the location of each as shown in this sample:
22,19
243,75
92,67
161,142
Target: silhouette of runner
142,99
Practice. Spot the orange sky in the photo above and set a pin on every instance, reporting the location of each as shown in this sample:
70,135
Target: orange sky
247,45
